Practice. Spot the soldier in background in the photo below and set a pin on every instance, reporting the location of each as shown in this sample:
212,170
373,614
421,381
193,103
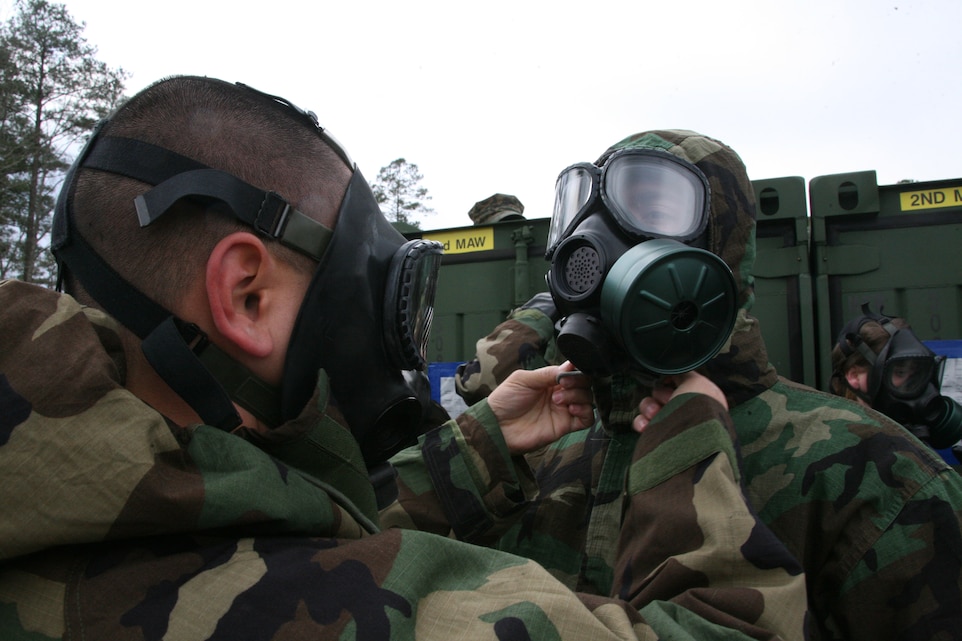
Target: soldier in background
878,361
496,208
872,517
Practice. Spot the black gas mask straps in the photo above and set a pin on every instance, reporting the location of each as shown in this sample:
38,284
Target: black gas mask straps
195,369
365,318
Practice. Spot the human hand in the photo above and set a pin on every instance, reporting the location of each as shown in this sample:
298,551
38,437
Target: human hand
667,388
535,408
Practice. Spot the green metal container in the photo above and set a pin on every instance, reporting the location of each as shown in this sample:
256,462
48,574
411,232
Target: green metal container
784,304
897,247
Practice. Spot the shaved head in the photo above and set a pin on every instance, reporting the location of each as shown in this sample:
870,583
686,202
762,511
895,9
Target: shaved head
226,127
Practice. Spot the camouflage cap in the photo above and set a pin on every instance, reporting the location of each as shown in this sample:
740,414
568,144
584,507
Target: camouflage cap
496,208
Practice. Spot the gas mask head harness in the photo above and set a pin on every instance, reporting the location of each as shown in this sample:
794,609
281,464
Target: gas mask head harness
904,381
365,318
629,272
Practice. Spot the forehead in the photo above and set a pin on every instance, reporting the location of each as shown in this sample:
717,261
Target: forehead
649,188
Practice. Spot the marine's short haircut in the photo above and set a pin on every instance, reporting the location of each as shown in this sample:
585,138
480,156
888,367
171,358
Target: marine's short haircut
225,127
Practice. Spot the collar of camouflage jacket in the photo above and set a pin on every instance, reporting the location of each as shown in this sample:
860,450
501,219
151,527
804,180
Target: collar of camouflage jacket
84,460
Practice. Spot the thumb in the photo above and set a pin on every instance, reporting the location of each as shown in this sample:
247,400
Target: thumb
540,378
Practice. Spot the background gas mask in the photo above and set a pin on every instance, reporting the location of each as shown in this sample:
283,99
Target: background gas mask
905,381
629,273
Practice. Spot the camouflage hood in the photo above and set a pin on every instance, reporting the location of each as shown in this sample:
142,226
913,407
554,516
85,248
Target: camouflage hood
741,369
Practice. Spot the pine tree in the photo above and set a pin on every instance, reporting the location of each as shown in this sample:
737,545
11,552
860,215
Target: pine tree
54,92
398,191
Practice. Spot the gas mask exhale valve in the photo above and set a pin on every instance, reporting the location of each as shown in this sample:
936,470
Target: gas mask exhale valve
635,290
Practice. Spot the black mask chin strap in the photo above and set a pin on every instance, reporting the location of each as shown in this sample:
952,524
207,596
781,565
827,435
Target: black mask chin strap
172,347
169,352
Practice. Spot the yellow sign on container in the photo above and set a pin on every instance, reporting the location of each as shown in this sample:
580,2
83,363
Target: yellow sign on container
931,198
464,241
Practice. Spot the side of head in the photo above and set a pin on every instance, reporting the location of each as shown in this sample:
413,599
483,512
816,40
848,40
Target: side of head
731,222
225,127
880,362
246,250
850,367
204,263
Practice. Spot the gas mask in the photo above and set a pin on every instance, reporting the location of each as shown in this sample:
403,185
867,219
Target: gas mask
365,318
905,381
629,273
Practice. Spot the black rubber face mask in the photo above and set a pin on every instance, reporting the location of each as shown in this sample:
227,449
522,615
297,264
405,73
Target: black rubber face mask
905,381
628,273
365,319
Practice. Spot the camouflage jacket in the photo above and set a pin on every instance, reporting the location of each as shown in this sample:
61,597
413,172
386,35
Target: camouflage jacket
872,515
120,525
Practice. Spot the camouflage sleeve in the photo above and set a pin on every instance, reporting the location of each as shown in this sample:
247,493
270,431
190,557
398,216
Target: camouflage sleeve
692,554
873,513
692,557
397,584
408,584
524,341
122,528
461,480
913,571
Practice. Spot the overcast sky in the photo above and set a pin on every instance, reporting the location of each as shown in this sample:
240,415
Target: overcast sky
499,96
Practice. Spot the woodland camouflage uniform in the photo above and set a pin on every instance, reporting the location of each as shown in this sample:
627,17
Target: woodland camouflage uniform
872,515
119,525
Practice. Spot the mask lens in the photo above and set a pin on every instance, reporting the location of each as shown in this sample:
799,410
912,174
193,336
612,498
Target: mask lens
655,195
573,191
422,301
907,377
415,275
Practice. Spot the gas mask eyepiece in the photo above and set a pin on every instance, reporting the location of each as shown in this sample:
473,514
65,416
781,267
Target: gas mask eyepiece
647,193
635,292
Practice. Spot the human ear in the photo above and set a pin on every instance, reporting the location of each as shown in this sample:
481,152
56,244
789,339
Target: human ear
238,277
857,378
